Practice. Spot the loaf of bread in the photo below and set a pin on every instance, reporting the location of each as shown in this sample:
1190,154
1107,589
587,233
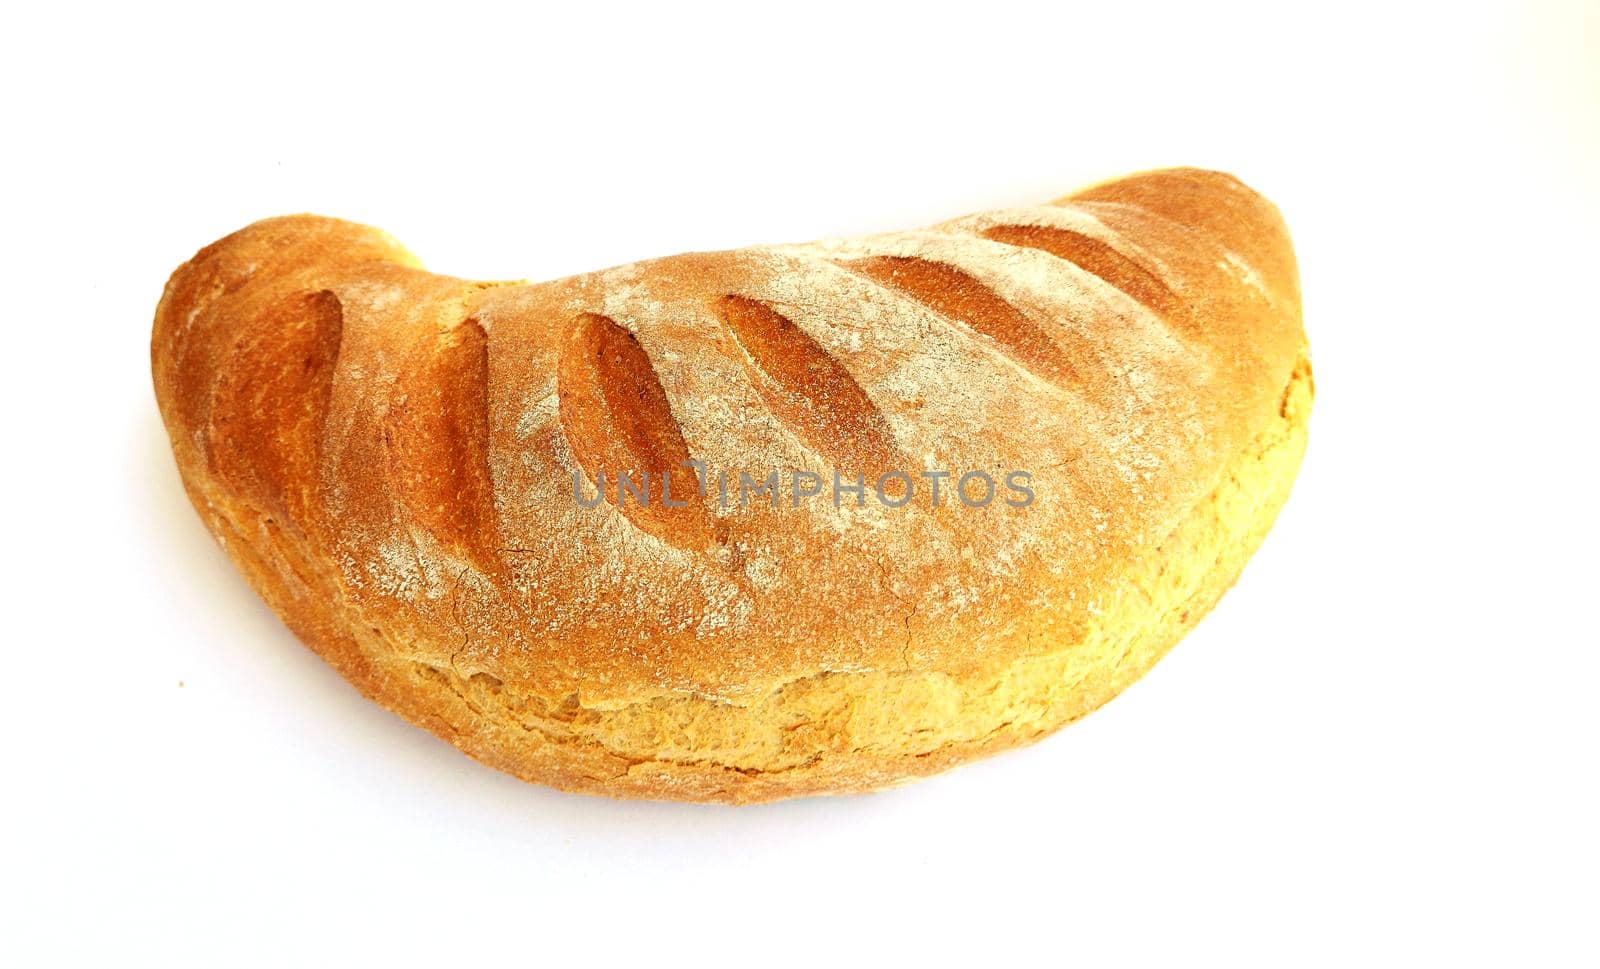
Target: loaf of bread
737,526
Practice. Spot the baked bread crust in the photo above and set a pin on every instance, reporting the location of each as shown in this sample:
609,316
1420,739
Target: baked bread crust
390,456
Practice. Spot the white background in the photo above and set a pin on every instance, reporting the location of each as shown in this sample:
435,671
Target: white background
1380,749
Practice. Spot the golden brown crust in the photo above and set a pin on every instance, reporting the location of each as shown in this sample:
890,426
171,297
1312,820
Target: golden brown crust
391,458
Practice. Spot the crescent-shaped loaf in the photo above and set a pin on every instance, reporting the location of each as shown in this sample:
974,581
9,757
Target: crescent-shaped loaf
405,466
